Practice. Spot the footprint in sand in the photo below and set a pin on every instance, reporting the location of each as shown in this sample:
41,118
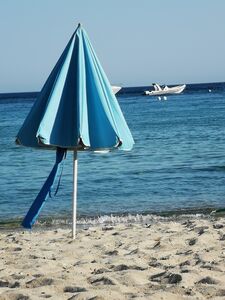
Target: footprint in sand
38,282
101,281
166,278
11,285
13,296
100,271
192,242
207,280
74,289
112,252
222,237
218,226
124,267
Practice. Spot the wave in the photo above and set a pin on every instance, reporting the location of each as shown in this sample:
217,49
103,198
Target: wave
114,219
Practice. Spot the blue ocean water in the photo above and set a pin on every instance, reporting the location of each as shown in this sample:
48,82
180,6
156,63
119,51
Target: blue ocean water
177,163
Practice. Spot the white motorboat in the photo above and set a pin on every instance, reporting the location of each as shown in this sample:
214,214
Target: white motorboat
116,89
158,91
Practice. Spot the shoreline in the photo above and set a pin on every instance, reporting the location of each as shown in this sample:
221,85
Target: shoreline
167,259
112,218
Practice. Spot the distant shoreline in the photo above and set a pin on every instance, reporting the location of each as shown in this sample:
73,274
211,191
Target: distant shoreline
124,90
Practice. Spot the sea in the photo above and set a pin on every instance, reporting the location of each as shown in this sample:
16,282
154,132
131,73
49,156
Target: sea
177,165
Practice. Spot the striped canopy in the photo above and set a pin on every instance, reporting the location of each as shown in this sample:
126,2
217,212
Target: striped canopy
76,109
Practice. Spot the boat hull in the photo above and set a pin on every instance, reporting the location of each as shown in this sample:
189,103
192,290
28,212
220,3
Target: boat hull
173,90
116,89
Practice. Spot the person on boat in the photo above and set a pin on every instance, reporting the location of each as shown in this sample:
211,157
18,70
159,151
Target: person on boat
157,87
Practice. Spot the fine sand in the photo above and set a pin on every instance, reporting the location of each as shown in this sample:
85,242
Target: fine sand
181,258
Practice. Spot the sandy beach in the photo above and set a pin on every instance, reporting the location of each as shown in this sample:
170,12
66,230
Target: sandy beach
173,259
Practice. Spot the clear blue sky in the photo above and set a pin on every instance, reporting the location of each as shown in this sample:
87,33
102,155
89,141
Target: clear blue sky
137,42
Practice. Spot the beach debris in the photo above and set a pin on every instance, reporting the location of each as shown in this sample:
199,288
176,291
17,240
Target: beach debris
74,289
207,280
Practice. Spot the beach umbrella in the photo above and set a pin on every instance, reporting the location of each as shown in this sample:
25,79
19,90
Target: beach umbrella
76,110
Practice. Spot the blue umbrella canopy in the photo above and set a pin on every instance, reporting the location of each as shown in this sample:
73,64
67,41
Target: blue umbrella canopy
76,110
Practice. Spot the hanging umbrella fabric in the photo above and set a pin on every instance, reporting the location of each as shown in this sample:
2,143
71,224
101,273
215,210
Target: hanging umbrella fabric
76,110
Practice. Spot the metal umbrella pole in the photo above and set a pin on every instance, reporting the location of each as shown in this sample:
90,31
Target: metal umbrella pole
74,200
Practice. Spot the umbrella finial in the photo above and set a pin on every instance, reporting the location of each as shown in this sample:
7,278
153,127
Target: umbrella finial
79,25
